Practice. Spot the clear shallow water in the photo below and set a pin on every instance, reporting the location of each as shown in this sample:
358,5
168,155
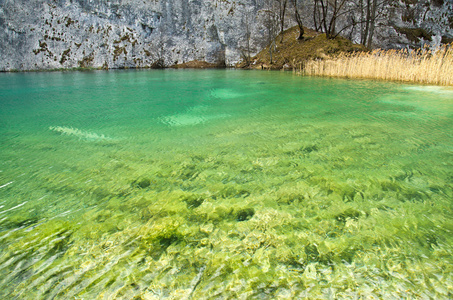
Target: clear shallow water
223,184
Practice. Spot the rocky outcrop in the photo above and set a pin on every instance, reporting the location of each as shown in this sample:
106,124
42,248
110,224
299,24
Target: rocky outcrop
53,34
46,34
416,23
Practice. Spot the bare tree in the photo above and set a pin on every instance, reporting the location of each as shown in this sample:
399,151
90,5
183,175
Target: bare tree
330,11
370,12
281,15
298,19
371,21
374,11
316,16
271,23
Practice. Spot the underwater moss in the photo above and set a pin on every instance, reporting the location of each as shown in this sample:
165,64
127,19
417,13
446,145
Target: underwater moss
304,194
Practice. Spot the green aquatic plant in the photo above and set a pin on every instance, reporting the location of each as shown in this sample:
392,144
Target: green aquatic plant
306,197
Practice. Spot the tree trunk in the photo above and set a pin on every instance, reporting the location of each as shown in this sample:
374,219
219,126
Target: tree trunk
367,22
361,21
324,9
299,21
272,25
331,31
372,23
282,4
315,15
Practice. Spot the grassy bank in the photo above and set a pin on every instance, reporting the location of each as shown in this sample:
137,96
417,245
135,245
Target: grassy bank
421,66
289,52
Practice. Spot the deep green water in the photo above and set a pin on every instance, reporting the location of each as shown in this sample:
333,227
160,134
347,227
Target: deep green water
223,184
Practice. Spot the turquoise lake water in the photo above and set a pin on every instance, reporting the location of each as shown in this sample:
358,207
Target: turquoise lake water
223,184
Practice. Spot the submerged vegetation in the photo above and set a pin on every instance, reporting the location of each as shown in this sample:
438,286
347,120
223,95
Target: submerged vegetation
311,195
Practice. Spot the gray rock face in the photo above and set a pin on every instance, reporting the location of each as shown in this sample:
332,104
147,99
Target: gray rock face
49,34
416,23
46,34
398,23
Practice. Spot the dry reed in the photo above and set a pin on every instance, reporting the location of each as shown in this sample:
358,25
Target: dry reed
421,66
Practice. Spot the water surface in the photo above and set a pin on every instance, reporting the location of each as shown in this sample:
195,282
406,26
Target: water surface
223,184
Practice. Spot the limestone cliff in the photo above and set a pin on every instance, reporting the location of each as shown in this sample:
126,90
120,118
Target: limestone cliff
46,34
52,34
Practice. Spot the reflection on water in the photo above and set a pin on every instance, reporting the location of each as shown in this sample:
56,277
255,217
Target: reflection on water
223,184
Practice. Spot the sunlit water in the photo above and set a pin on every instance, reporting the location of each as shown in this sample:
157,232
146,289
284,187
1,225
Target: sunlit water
223,184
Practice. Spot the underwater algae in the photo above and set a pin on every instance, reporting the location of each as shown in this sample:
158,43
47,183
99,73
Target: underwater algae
228,189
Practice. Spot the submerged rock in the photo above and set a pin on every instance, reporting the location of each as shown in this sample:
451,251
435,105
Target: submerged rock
244,214
142,183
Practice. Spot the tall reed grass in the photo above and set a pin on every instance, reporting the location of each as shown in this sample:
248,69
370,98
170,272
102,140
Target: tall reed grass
421,66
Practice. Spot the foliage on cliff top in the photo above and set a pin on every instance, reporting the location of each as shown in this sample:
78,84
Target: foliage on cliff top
291,52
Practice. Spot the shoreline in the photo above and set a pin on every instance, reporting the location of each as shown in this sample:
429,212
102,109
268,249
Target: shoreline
297,72
423,66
